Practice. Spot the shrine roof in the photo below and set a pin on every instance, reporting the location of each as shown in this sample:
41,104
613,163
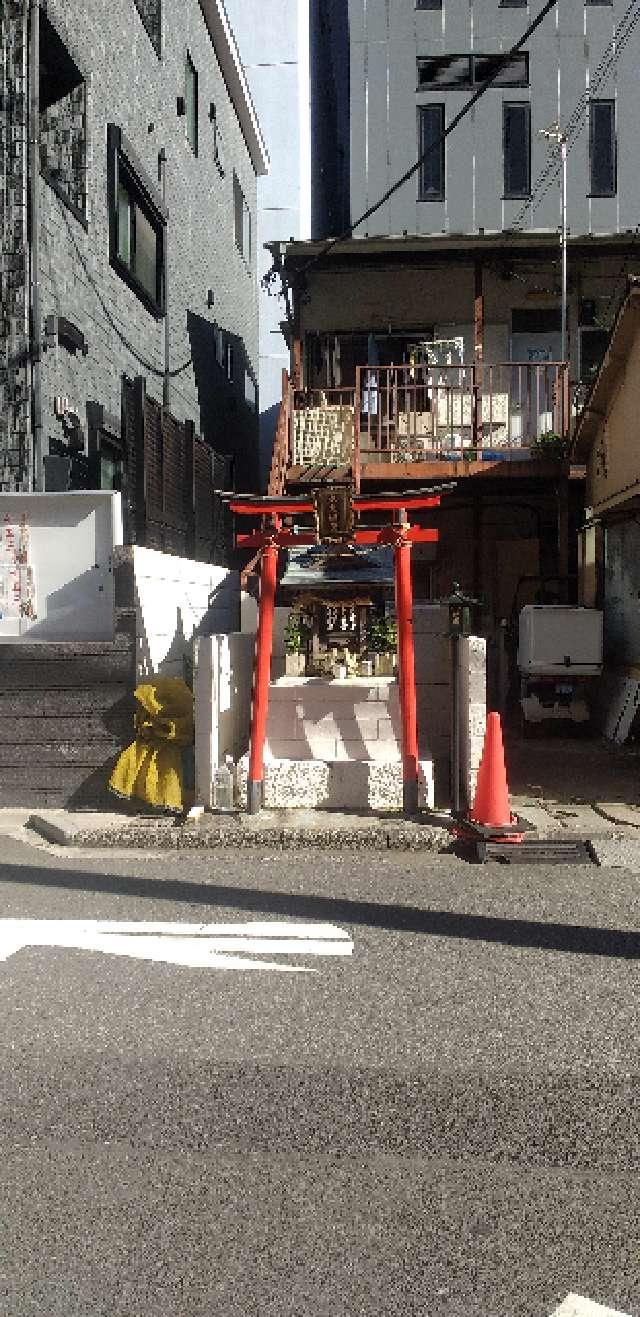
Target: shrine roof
321,565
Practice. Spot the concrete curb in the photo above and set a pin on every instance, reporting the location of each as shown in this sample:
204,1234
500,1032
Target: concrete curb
165,834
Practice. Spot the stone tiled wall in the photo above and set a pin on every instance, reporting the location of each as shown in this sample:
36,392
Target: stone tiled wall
126,83
355,719
14,375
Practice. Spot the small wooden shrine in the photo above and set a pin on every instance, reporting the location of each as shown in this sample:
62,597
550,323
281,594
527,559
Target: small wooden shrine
333,523
341,602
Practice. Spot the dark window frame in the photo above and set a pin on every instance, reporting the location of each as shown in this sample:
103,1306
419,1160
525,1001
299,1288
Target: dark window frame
598,102
244,228
440,195
154,38
56,81
508,194
122,163
191,70
471,58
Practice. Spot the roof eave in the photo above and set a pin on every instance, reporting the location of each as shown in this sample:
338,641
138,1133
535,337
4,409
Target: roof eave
228,55
596,406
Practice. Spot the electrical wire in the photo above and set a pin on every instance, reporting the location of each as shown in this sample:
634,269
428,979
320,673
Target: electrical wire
158,371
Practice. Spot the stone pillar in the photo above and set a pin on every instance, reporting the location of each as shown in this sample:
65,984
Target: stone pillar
474,700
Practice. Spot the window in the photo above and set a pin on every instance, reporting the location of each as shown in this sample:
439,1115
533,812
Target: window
513,4
431,146
513,72
436,71
63,132
428,4
250,391
242,221
136,224
516,135
191,104
538,320
150,12
598,2
444,71
593,345
218,146
602,148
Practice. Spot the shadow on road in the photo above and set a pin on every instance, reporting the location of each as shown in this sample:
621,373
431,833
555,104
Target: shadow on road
575,938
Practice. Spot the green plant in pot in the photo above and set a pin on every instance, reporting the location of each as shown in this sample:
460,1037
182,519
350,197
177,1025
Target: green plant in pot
382,641
295,658
549,444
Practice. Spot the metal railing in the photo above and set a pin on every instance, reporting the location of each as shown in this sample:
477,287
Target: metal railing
430,413
424,413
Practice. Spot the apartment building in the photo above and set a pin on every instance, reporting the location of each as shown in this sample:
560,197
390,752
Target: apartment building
128,232
411,67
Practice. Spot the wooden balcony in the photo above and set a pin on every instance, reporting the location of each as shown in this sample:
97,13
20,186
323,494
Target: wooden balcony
414,417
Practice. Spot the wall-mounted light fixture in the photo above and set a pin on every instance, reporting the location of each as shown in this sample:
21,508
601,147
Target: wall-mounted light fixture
210,298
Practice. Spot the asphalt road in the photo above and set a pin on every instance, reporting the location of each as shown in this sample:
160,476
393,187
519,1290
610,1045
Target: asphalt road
444,1122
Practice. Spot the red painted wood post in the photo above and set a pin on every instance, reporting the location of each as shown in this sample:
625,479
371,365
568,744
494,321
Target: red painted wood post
406,662
261,677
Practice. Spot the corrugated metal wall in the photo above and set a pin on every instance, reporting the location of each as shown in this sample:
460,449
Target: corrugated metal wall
570,58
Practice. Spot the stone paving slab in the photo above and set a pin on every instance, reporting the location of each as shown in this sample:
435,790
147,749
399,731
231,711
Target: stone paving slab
617,852
551,820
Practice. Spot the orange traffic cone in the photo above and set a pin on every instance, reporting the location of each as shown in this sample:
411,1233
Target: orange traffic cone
491,808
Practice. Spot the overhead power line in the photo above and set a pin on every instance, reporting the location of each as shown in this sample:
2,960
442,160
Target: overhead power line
501,60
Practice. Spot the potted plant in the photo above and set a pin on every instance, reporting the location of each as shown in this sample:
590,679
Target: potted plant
382,642
295,657
549,444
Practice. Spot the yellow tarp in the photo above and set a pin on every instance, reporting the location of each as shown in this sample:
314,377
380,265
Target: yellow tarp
150,769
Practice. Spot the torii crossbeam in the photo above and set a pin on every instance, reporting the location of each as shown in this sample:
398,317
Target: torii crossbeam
399,534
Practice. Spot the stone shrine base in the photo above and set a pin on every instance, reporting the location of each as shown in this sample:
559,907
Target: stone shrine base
375,785
334,744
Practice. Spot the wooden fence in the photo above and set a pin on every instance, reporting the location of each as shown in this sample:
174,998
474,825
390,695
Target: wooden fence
172,482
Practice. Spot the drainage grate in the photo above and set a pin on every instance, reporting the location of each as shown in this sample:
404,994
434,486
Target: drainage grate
562,850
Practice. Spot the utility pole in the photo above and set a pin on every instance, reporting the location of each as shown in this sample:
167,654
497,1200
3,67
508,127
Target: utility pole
558,138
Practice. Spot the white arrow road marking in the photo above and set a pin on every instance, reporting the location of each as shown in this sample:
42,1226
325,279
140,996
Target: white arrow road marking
199,946
575,1306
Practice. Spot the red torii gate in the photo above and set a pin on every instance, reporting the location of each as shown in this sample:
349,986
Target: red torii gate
400,535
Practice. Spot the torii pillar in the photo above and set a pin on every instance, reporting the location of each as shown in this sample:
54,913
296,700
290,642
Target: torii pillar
262,675
406,667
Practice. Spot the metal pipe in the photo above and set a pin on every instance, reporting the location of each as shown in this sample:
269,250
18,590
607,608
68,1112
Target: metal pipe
166,379
34,460
455,726
563,150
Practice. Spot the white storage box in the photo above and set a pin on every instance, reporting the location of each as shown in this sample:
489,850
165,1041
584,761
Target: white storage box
556,640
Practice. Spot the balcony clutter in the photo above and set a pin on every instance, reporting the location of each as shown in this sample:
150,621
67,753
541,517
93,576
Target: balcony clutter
424,413
323,434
